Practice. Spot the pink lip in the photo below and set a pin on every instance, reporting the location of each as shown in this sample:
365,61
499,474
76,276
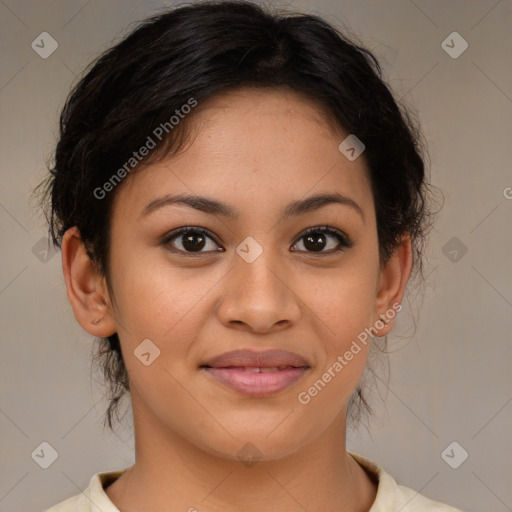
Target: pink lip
229,369
257,385
262,358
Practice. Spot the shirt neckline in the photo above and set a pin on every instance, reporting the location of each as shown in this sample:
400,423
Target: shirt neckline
385,498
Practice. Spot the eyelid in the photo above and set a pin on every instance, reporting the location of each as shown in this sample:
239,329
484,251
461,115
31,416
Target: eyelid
345,239
345,242
166,239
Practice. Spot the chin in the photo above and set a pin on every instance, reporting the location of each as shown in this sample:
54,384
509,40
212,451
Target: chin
256,443
251,450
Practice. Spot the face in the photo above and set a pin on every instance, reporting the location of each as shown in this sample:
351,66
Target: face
253,280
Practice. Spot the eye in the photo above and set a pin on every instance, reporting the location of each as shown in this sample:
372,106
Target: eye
315,239
192,240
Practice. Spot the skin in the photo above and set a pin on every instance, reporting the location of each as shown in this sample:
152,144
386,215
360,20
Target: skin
256,151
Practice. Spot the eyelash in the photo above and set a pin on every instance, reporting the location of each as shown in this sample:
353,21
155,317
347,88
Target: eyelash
344,241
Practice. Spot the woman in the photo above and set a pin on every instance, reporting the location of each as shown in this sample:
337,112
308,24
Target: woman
240,204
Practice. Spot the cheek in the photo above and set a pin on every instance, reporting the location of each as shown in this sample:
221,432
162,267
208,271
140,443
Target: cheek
344,309
343,304
341,301
155,298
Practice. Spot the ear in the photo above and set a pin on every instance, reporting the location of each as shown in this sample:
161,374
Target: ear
86,288
392,282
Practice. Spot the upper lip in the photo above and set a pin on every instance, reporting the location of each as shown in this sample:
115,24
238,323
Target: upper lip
262,359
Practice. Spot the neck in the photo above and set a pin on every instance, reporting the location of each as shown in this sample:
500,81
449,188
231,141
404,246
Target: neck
171,473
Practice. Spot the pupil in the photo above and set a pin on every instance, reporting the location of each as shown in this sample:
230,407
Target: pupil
311,242
190,245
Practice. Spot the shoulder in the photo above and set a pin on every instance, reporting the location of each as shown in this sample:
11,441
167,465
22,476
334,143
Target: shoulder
72,504
393,497
409,500
93,498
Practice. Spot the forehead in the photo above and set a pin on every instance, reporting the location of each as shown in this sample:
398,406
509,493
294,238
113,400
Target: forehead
255,148
266,101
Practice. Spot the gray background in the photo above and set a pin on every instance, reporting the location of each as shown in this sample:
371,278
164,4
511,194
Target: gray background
450,379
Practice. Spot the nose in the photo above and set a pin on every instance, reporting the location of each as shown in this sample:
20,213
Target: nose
259,296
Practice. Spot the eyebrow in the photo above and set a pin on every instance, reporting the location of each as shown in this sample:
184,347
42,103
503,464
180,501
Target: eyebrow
214,207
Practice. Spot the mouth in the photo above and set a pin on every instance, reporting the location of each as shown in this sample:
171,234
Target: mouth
255,369
257,373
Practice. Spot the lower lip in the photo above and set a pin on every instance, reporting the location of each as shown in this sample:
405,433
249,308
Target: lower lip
259,384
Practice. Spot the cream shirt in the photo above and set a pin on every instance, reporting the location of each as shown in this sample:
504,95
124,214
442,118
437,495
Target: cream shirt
391,497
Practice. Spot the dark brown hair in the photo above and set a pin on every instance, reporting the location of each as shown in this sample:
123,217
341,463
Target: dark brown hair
197,51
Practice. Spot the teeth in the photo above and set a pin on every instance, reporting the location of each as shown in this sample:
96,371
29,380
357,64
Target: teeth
256,369
252,369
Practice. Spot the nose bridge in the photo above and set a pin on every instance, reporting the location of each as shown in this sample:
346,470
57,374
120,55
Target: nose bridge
262,273
257,293
258,268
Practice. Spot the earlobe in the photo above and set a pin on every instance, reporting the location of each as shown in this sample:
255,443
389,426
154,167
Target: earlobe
392,282
85,287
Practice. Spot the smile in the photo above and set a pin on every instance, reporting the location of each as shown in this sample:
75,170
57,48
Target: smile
255,381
